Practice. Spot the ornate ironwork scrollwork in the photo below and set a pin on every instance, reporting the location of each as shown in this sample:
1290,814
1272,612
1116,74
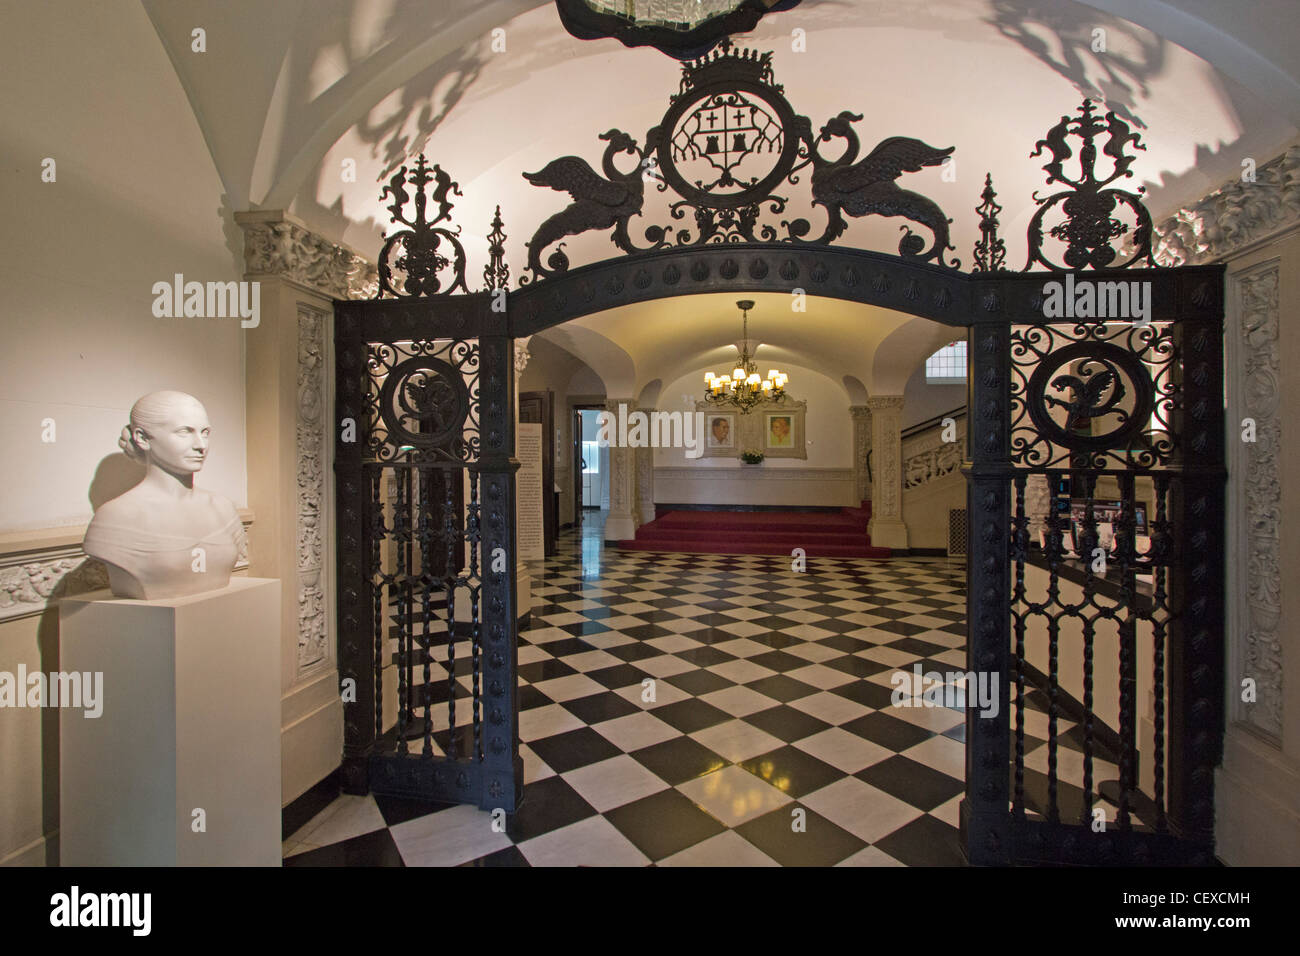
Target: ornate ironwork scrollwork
599,202
422,400
496,274
1089,226
424,251
728,140
1093,395
868,188
990,250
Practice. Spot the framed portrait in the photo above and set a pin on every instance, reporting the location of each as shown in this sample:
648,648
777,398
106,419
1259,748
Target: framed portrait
720,434
778,430
774,429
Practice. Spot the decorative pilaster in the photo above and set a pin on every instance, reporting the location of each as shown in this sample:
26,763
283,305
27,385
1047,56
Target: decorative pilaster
1256,807
1234,219
290,425
645,480
622,521
1260,610
313,515
887,529
861,415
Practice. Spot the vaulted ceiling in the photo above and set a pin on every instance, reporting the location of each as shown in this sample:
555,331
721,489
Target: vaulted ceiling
311,104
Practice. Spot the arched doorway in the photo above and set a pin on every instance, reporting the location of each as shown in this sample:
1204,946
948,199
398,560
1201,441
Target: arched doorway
1084,386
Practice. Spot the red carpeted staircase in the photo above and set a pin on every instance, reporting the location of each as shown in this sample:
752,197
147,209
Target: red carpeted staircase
820,534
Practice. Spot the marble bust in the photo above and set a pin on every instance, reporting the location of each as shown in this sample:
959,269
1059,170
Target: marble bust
165,538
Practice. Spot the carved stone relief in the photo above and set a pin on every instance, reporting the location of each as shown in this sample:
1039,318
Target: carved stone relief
861,446
1238,216
622,471
29,582
1257,336
886,457
285,248
1234,217
313,585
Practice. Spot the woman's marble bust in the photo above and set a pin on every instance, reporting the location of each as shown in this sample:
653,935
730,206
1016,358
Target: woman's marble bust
165,538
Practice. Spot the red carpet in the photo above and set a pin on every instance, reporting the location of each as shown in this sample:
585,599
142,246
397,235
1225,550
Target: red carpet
820,534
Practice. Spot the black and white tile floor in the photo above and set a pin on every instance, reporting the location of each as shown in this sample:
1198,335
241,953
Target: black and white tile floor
681,709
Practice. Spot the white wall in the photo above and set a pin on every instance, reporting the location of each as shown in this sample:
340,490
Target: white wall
922,401
824,478
136,200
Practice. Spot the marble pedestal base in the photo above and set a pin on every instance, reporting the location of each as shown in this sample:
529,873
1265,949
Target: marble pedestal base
191,721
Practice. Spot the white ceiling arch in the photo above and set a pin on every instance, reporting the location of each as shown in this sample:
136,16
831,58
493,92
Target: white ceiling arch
903,350
282,85
862,348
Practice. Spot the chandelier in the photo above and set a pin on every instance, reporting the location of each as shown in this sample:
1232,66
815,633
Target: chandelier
743,388
686,14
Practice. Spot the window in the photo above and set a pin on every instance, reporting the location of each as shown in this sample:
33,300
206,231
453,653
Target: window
590,457
947,366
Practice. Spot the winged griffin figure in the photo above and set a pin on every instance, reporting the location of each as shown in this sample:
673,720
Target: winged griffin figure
598,201
868,188
1086,392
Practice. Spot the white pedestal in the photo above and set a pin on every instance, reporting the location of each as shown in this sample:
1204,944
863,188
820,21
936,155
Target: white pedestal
191,719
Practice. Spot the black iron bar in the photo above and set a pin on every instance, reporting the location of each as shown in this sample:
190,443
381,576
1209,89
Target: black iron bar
1127,651
1019,612
1054,554
1158,531
1089,633
452,536
402,543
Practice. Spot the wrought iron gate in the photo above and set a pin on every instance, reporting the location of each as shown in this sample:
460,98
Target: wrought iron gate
1071,420
1120,408
426,502
1169,444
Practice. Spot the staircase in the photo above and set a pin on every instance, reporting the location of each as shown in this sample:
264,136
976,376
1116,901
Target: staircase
841,534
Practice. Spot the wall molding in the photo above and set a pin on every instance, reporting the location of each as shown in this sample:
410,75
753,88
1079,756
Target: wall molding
35,574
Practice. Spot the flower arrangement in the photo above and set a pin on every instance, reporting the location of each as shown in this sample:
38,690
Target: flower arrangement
751,456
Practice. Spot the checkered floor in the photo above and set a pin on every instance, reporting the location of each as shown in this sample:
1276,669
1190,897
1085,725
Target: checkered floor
698,709
686,709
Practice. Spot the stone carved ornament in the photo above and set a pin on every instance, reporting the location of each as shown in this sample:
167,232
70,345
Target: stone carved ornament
310,435
932,459
622,474
1234,217
29,587
293,252
1262,491
31,582
861,445
885,412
